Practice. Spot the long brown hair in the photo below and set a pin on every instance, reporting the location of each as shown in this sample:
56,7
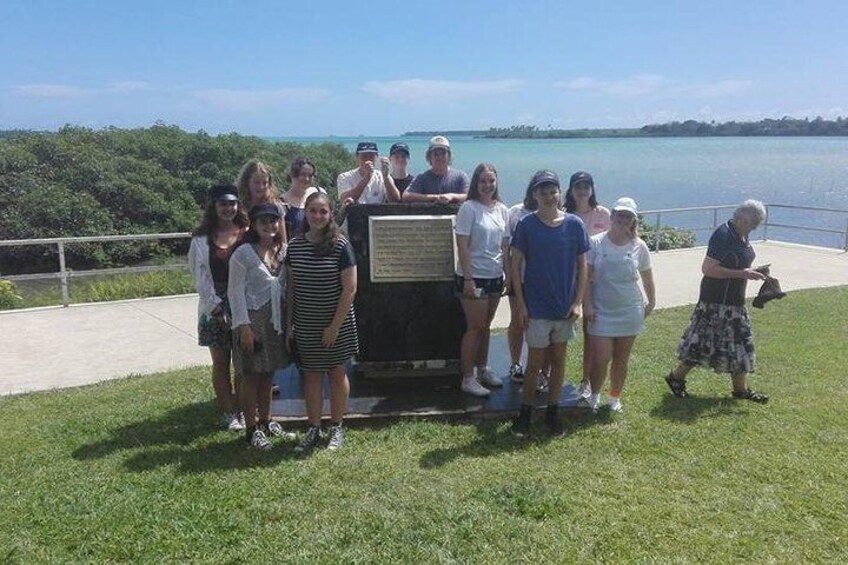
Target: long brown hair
474,187
243,181
210,222
328,236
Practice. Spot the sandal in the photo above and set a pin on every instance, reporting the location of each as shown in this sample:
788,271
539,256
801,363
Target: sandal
749,394
677,386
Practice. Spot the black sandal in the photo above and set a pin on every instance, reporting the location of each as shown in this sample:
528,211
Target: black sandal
677,386
749,394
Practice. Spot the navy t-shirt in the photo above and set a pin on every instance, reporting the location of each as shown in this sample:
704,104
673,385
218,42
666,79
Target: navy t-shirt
732,252
550,264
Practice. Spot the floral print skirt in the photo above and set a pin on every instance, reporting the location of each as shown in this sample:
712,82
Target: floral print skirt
719,336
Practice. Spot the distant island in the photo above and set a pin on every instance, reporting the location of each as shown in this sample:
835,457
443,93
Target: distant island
784,127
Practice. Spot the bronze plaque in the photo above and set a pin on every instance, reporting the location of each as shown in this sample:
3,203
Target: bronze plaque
411,248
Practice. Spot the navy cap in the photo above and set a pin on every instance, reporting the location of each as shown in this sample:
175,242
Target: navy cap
399,148
366,147
544,177
267,209
223,192
581,176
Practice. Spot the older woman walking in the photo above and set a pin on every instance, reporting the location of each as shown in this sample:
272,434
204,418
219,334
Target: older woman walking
719,333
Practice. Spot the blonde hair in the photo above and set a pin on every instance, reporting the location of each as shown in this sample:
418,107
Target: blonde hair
243,182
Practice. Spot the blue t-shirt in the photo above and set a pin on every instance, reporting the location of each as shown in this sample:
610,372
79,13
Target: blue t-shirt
428,182
550,264
732,252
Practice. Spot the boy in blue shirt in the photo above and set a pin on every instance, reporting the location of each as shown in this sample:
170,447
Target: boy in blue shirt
550,246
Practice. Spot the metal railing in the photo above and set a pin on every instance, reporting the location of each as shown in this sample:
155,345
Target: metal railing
64,274
658,217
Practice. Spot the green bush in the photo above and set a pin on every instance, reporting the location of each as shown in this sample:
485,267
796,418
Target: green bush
9,297
78,181
669,237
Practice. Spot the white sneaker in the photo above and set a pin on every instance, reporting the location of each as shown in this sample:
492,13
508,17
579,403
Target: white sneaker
614,404
488,378
473,387
584,390
591,402
233,421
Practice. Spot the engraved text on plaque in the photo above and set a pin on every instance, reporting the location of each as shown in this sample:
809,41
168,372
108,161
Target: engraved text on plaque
411,248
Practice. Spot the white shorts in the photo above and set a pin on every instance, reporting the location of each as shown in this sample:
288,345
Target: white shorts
542,333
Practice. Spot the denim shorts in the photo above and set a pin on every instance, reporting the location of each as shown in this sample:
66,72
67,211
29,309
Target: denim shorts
487,287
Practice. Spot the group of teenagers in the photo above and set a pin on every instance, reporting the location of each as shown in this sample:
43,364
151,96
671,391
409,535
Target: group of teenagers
276,279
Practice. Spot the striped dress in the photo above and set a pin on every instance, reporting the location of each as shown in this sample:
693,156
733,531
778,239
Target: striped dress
317,289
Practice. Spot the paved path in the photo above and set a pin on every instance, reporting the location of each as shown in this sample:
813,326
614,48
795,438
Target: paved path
88,343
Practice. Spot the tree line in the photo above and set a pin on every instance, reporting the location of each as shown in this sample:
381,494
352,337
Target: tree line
785,126
79,181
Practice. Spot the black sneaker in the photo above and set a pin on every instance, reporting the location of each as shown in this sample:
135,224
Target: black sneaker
554,423
516,373
336,437
258,440
274,429
521,425
310,440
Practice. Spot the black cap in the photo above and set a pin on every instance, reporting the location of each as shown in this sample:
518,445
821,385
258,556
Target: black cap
366,147
544,177
581,176
223,192
399,148
267,209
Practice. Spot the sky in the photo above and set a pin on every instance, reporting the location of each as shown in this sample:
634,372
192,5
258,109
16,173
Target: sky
285,68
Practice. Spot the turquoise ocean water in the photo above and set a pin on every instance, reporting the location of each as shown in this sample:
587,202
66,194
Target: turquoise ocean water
671,172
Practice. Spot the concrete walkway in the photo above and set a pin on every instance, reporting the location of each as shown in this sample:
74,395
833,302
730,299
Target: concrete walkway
55,347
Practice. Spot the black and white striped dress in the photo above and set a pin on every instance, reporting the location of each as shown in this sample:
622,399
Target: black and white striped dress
317,289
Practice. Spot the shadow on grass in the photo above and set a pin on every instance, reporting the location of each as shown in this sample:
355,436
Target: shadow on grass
180,426
496,437
690,410
216,456
170,440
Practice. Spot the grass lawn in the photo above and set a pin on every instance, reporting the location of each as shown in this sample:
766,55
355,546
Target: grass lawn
135,470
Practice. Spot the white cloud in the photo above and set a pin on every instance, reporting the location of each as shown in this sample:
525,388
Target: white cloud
53,91
656,86
637,85
124,86
246,100
717,89
419,91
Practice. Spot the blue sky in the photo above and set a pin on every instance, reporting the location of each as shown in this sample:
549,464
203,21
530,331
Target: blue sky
382,68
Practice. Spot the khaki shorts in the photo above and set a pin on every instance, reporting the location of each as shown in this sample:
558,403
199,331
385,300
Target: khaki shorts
542,333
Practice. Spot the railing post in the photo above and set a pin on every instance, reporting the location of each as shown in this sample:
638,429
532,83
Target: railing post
715,218
63,275
765,224
657,233
845,247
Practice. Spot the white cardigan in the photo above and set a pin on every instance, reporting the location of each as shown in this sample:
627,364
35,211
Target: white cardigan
251,286
198,265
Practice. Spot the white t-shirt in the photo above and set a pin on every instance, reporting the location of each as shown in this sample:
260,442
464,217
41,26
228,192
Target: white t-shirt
486,228
616,294
375,190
